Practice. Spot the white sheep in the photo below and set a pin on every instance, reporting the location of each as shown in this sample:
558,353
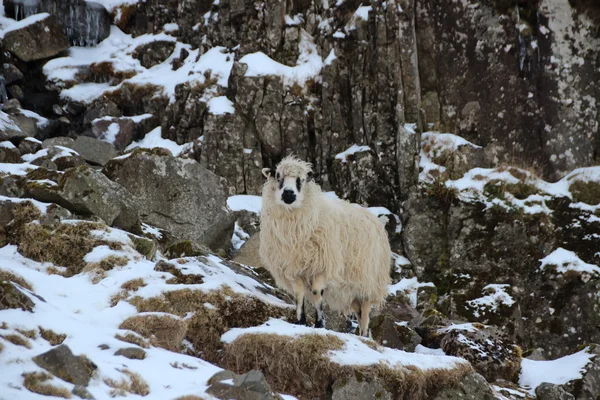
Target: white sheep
320,247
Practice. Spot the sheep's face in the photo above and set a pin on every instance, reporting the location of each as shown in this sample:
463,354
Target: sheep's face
289,180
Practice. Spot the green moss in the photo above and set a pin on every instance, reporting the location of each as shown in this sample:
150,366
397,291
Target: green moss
585,192
497,189
185,248
144,246
440,191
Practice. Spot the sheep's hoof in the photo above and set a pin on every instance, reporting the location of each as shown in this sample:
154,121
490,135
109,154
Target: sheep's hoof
320,324
301,321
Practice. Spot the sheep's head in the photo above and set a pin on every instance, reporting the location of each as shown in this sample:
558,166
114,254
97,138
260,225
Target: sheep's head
289,178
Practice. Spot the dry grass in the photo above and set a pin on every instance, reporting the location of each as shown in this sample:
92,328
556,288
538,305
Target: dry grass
585,192
204,329
107,263
133,339
182,366
1,347
34,382
6,276
130,286
31,334
439,190
300,366
162,330
65,245
135,384
17,340
52,337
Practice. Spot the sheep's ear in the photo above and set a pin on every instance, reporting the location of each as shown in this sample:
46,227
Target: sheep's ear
268,172
310,177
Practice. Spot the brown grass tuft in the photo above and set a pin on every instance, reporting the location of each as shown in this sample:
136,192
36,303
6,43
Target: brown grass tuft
16,340
163,331
31,334
52,337
300,366
225,310
585,192
127,287
135,384
6,276
34,382
133,339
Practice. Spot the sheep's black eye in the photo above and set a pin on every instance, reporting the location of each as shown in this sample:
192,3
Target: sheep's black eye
278,176
298,183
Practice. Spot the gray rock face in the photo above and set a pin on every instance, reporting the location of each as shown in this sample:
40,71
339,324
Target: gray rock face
61,362
177,195
9,153
30,146
83,190
93,150
352,389
38,40
549,391
249,386
133,353
387,332
12,74
85,23
470,387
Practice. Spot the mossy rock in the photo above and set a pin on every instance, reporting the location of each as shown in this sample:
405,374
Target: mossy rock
186,248
144,246
585,192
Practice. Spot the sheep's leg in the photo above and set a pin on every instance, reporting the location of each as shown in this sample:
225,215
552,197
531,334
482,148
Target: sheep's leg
318,288
300,302
363,321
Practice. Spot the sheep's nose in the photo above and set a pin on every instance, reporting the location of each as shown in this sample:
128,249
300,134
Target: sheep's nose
288,196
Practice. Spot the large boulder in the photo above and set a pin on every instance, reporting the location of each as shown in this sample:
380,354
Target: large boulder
35,38
86,191
252,385
61,362
93,150
177,195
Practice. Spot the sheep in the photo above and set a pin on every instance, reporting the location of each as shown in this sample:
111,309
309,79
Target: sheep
320,248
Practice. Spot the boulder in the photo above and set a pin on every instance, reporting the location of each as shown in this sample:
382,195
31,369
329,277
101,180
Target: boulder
93,150
490,351
9,129
58,141
176,195
154,53
61,362
470,387
354,389
390,333
35,38
119,132
12,74
133,353
550,391
84,191
253,385
9,153
29,146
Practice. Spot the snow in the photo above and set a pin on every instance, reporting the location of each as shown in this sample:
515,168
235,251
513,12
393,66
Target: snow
363,12
220,105
469,327
239,237
154,139
43,207
41,122
410,287
111,133
559,371
355,351
16,169
566,260
6,123
420,349
7,145
171,27
351,151
330,58
245,202
117,50
308,66
151,230
496,296
10,25
110,5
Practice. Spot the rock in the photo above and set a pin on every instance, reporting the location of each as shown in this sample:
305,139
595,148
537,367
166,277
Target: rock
387,332
11,186
16,92
59,158
177,195
9,129
550,391
249,252
537,355
61,362
117,131
88,23
12,74
154,53
12,297
30,146
490,351
249,386
12,106
9,153
58,141
133,353
82,392
100,109
352,389
42,37
186,248
83,190
93,150
587,387
470,387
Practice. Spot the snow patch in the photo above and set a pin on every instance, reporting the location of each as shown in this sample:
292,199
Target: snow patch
565,260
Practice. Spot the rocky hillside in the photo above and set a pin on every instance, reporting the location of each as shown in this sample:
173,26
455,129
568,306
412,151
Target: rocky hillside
132,136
